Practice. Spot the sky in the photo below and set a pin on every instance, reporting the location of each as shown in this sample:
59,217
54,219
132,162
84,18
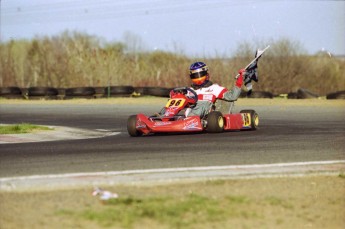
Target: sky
191,27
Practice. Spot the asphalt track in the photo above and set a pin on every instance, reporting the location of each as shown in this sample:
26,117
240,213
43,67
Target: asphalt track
286,134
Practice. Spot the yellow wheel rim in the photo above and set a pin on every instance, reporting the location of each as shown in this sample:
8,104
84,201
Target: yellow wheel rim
221,122
256,120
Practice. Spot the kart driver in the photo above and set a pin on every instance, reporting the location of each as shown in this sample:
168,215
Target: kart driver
209,92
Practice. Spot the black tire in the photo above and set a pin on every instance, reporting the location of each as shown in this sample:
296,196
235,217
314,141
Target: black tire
42,91
215,122
10,91
61,91
254,118
131,126
292,95
243,94
336,95
80,91
43,97
158,91
141,90
119,91
260,94
306,94
12,96
100,90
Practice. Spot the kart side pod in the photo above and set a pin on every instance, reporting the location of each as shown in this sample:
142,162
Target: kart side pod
245,120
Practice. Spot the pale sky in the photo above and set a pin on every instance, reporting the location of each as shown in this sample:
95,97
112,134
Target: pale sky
198,27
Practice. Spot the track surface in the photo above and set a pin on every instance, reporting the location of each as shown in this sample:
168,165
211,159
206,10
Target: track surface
286,134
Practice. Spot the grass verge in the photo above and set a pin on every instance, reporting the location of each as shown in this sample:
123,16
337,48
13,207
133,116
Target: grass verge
21,128
281,202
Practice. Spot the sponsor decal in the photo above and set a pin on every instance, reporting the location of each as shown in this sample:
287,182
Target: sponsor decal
171,111
140,124
207,97
246,120
159,123
192,124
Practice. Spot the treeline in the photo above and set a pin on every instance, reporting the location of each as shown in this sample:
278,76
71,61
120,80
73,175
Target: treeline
74,59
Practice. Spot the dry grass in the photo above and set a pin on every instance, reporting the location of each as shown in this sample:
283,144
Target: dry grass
285,202
74,59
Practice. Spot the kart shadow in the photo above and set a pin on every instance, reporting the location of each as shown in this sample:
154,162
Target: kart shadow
187,133
173,134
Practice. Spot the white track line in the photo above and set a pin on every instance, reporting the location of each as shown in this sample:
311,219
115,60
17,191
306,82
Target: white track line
170,170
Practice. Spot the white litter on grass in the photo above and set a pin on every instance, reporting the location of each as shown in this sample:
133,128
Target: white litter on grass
104,194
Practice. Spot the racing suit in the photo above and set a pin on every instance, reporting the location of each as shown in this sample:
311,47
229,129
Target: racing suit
208,94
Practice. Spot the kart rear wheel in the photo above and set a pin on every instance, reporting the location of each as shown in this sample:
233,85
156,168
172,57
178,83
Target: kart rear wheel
254,118
131,126
215,122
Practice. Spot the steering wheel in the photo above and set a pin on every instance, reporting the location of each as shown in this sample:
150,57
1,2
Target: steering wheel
185,90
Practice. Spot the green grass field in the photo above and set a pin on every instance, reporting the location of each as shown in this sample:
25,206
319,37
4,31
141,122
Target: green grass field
21,128
280,202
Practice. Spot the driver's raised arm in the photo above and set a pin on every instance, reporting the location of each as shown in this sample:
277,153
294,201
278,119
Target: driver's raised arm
235,92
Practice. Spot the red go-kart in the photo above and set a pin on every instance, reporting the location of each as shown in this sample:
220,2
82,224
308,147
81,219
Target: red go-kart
173,119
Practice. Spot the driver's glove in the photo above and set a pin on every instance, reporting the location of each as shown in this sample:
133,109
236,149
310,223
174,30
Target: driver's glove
239,80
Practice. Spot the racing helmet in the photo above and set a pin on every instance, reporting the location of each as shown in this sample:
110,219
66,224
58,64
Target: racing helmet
198,72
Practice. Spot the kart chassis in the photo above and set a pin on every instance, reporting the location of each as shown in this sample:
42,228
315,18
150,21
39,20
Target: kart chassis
172,118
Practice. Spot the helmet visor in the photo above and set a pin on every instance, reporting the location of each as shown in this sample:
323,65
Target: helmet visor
197,75
199,81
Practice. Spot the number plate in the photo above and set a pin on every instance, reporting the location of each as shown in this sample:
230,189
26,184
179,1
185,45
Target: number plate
175,103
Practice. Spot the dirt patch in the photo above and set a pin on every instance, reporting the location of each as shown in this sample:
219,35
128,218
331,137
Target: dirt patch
281,202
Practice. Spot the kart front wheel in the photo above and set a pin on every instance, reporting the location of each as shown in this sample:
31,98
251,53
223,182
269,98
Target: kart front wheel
215,122
131,126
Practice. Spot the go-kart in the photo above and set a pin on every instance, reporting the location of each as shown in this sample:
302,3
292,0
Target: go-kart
172,118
